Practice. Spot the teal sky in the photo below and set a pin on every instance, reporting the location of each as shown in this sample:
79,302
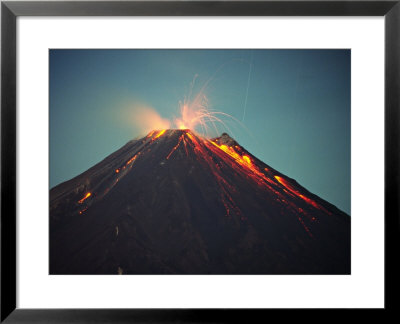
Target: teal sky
296,117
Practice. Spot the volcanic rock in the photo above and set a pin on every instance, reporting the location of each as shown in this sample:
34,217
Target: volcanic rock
174,202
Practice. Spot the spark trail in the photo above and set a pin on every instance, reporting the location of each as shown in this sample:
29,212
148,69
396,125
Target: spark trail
248,86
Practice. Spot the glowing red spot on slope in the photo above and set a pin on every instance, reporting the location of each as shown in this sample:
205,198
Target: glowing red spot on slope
227,210
85,197
310,201
120,174
305,226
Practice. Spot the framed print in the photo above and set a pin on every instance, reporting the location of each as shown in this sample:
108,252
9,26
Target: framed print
198,161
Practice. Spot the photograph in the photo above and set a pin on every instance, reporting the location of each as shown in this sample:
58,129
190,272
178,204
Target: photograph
199,161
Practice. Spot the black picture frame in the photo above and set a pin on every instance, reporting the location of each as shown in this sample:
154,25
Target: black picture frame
10,10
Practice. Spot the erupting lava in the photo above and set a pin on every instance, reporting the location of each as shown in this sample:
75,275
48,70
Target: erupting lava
239,160
196,114
175,193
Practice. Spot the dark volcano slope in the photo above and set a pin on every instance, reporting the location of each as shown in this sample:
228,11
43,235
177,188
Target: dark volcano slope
175,203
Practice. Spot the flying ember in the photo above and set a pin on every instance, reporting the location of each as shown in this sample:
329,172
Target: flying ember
197,115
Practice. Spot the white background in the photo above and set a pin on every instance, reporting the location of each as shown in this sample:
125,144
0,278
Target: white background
363,288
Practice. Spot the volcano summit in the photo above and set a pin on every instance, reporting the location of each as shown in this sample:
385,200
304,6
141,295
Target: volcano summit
176,203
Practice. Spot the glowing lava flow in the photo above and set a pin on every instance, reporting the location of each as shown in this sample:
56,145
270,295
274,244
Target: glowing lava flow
196,114
259,177
201,147
176,146
286,184
160,133
84,198
150,134
132,159
245,161
232,156
121,171
241,159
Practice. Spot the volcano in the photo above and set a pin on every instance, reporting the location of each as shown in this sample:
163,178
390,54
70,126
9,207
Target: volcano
174,202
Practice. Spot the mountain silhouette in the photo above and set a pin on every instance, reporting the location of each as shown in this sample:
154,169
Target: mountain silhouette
174,202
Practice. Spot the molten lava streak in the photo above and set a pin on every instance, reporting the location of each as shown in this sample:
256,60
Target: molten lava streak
287,185
160,133
245,161
262,179
84,198
240,161
176,146
132,159
201,148
150,134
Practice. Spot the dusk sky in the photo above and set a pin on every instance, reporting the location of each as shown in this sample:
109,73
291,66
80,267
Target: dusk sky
290,108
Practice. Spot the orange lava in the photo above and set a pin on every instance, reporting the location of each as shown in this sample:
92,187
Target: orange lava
242,163
201,148
286,184
132,159
160,133
150,134
176,146
190,136
262,179
246,159
82,211
84,198
246,162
